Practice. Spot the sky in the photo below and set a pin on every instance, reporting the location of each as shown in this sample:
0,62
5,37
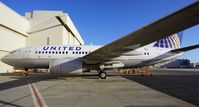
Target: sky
102,21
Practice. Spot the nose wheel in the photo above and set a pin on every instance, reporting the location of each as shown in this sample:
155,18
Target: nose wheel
102,75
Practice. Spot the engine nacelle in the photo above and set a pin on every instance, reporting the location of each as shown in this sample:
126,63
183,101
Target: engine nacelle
66,66
111,65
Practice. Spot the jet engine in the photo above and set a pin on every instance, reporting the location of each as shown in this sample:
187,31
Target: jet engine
66,67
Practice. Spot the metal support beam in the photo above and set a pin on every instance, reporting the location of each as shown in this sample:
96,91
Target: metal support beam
67,28
13,30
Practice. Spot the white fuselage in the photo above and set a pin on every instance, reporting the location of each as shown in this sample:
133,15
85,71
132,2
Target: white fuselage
41,56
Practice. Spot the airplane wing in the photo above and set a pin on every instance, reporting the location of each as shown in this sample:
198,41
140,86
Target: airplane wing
175,22
185,49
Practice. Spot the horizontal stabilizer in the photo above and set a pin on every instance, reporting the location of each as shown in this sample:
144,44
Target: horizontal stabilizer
186,48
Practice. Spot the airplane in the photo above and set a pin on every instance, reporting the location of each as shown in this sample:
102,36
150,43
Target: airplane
158,42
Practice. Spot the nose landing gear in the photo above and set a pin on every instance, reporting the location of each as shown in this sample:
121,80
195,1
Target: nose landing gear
26,73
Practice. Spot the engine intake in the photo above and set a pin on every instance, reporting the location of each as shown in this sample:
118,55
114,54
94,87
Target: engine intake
66,67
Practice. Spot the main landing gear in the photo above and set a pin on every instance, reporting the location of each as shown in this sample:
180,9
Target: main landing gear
102,75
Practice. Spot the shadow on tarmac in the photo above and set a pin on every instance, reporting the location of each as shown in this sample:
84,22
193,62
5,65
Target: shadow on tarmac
21,80
8,104
184,87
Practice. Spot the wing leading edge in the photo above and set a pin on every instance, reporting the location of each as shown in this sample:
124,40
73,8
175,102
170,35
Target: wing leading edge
175,22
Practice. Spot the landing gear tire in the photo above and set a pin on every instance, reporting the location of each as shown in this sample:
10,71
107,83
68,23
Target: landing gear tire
102,75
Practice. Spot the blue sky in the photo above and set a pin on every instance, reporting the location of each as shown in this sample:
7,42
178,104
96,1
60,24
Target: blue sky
102,21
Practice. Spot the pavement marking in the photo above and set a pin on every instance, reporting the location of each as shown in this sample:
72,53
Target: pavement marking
37,98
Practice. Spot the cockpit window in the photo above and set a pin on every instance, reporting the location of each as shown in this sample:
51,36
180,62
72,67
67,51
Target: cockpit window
13,51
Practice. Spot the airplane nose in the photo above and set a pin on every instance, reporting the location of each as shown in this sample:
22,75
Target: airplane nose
4,58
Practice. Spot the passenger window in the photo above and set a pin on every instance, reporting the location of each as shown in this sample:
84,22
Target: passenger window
73,52
53,52
63,52
59,52
82,52
39,52
36,52
46,52
76,52
42,52
49,52
66,52
56,52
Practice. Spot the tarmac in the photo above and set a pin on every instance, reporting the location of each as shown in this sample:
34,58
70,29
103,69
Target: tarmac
165,88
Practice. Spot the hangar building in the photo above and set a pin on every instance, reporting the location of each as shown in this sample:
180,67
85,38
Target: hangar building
35,28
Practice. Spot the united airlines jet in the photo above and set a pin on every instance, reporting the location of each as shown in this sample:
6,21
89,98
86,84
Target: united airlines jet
155,43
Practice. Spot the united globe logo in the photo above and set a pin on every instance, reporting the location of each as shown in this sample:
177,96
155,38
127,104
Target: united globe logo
173,41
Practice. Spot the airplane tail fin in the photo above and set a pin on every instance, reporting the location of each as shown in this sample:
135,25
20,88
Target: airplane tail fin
173,41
